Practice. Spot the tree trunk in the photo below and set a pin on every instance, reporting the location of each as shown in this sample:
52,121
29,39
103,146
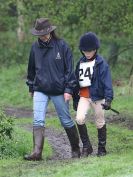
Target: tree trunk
20,29
131,84
131,71
113,54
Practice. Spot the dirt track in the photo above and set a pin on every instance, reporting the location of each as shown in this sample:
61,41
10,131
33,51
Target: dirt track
58,140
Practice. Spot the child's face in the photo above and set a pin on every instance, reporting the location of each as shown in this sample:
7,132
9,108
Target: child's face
89,54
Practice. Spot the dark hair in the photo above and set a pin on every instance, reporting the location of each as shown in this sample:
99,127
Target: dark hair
54,35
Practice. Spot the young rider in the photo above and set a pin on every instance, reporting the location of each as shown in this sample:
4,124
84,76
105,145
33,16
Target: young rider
94,88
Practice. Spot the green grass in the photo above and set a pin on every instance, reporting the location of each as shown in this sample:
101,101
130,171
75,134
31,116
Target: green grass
111,166
118,162
14,91
123,101
21,142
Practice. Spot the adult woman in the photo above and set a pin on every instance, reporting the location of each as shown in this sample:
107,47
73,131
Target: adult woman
50,77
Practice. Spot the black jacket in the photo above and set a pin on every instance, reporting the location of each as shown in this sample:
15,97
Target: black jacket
50,68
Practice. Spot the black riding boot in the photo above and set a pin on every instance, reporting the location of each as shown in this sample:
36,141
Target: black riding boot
101,141
74,141
87,147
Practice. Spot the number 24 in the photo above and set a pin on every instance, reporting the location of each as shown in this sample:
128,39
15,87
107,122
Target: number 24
87,73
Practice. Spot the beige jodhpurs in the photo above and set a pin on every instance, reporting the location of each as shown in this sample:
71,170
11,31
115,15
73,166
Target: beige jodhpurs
83,107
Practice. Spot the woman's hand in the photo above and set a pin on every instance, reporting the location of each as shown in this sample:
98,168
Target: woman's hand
67,96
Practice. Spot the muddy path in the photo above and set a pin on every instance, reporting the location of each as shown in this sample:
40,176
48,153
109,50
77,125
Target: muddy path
58,139
23,112
27,113
59,142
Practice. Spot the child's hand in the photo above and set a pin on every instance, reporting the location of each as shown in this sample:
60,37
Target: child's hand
107,105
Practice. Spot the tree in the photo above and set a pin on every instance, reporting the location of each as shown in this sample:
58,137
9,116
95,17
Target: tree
111,20
20,29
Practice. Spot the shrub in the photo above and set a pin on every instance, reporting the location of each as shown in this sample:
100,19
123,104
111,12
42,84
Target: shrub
6,130
6,126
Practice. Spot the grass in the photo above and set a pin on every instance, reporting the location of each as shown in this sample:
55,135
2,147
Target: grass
111,166
124,103
118,163
21,142
14,91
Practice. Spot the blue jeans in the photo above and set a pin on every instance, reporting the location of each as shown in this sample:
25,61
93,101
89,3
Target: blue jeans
40,104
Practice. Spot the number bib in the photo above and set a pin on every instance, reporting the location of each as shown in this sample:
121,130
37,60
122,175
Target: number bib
85,73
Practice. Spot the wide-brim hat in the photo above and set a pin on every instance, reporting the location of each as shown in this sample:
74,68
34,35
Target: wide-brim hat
42,27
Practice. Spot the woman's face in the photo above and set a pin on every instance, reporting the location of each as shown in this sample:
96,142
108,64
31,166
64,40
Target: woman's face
45,37
89,54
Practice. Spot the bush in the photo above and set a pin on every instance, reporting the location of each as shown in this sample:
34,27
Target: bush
6,130
11,138
17,146
6,126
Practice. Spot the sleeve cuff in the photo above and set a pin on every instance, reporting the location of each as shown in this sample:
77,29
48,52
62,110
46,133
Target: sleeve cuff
67,90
